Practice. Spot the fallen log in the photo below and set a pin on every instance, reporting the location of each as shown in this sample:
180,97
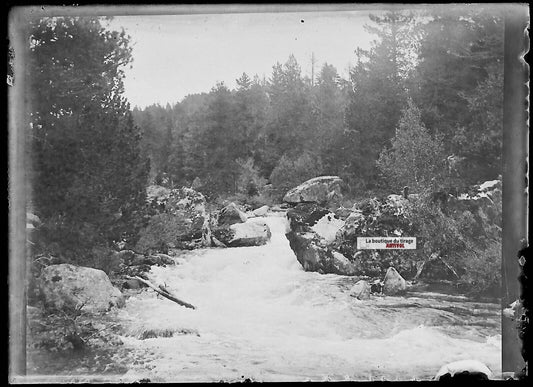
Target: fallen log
165,293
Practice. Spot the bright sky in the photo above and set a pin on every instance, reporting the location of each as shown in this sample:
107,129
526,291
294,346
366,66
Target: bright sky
177,55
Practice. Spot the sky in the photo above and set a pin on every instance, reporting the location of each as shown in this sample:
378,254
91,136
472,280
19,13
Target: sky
177,55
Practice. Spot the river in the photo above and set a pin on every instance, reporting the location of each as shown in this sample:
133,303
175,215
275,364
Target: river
261,317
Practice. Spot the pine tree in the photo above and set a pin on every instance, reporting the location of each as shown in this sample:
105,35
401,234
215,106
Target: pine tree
87,175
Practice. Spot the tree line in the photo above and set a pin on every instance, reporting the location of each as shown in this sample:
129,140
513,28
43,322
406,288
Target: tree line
422,107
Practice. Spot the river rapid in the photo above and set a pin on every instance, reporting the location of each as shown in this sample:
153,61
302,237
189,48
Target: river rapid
261,317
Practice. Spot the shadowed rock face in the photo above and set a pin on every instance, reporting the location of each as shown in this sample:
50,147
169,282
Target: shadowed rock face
69,286
321,190
314,256
464,370
231,214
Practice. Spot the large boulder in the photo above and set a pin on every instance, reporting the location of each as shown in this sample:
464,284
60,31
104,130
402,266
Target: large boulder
322,190
464,370
314,255
361,290
68,286
393,283
374,218
231,214
179,220
243,234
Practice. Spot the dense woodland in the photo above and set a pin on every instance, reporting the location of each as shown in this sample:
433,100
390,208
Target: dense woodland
444,74
422,108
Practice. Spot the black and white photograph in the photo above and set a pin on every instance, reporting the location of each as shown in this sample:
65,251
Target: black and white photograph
267,193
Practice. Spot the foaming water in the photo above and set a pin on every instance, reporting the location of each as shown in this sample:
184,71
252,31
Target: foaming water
260,316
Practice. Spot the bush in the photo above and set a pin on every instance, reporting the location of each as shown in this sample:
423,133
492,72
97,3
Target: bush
483,270
161,233
78,243
467,237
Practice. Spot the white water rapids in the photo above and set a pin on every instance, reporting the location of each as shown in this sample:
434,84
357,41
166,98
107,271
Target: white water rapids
261,316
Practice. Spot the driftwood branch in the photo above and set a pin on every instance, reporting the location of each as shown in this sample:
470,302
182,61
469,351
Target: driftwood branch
164,292
434,257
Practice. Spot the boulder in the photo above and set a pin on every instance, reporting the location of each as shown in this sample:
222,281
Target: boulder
393,283
328,226
314,255
179,220
361,290
231,214
343,212
261,211
341,264
464,370
243,234
69,286
322,190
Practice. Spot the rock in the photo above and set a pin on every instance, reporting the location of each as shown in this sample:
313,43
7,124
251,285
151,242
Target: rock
231,214
343,213
321,190
305,215
243,234
69,286
180,218
361,290
328,226
249,234
342,264
466,370
315,256
490,185
33,220
261,211
393,282
133,284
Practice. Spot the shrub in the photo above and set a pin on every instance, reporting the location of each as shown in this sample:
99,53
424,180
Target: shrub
483,270
161,233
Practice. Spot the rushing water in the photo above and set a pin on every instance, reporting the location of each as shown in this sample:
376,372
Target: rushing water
260,316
